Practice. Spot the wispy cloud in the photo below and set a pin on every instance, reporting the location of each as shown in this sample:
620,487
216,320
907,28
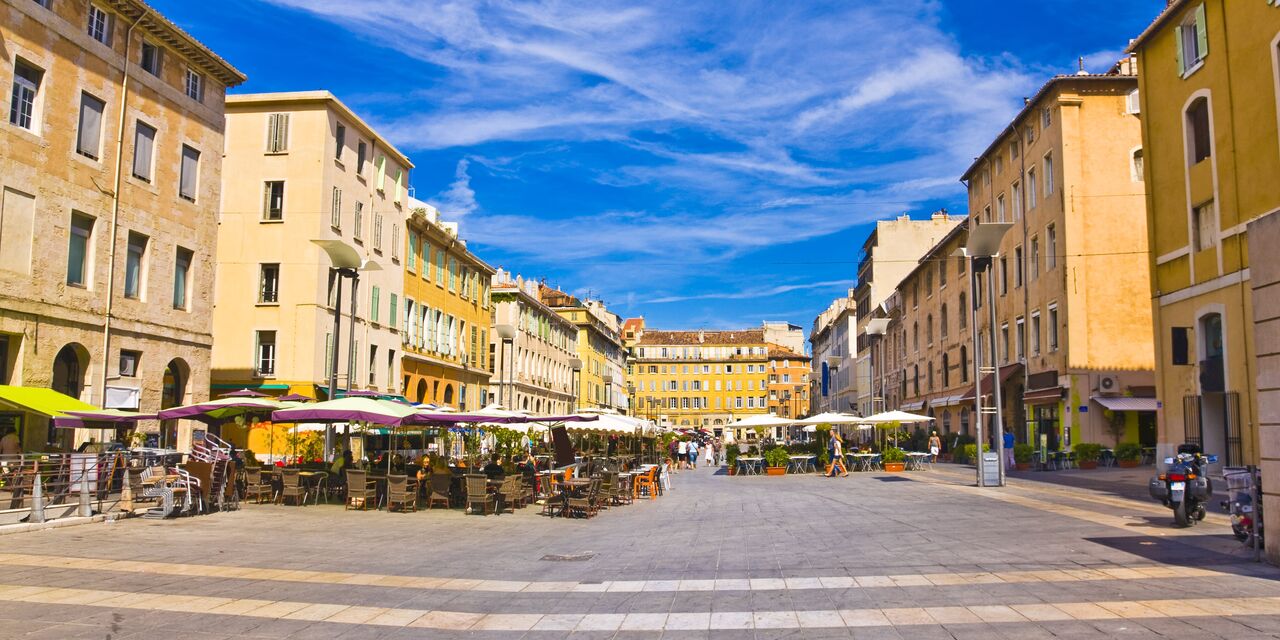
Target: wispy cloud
459,199
762,292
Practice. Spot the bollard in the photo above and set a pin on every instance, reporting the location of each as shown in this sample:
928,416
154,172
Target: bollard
37,498
86,505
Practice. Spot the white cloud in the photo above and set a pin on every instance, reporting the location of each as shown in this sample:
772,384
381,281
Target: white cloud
459,199
760,292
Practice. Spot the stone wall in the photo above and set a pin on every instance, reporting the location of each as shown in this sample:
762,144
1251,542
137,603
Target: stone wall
1264,233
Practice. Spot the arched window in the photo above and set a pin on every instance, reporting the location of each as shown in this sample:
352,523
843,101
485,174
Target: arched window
964,312
915,335
942,321
915,379
930,376
1199,138
928,329
946,371
964,420
964,363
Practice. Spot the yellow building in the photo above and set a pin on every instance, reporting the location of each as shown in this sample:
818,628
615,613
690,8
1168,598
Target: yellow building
110,160
1208,87
788,382
308,169
1073,335
447,315
701,379
601,383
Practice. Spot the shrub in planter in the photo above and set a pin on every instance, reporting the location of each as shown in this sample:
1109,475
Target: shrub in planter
1129,454
968,454
1087,454
1022,455
731,457
776,459
893,458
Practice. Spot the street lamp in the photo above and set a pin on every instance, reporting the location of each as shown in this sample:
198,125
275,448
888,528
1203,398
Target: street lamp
575,380
507,376
877,327
981,250
345,262
607,378
833,365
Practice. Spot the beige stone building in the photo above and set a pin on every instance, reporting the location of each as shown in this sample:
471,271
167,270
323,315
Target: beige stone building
308,169
833,343
1073,335
533,370
601,383
110,163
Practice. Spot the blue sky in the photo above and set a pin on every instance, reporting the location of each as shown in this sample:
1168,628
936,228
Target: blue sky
702,163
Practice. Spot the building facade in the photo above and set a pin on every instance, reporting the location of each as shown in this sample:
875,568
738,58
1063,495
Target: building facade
314,186
447,315
833,385
601,381
110,162
1073,336
533,370
890,252
788,383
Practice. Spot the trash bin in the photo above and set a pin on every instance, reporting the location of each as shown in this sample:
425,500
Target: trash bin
990,468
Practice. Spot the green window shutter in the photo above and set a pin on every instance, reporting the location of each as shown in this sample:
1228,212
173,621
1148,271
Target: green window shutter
373,304
1202,35
392,311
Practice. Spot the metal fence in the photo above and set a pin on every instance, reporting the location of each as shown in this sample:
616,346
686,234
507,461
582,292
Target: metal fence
43,487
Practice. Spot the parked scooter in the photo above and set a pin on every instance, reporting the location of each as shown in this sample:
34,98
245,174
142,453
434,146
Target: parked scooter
1183,486
1244,505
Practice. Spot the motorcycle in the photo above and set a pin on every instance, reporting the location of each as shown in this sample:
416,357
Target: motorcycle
1244,505
1183,486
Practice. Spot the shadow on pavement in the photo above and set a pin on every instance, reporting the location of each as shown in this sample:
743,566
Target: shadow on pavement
1183,551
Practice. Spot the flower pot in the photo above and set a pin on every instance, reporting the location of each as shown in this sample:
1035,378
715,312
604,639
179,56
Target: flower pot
775,471
894,467
1088,464
1127,464
1022,466
733,471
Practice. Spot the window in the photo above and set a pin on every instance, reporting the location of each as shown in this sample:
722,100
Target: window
1051,247
1034,258
964,312
1018,267
149,59
1022,337
181,277
1013,151
1017,201
1000,208
99,24
89,138
1031,188
928,284
1046,117
144,143
377,231
1131,102
190,174
1004,342
357,223
915,336
1204,224
1031,135
1053,327
273,200
79,250
986,214
943,321
277,132
1180,352
373,365
1193,41
193,84
1035,333
382,172
1138,170
391,311
999,164
269,283
928,330
362,151
395,242
266,353
942,273
964,363
335,209
129,363
26,86
339,142
412,265
946,370
374,301
135,266
1004,275
1048,174
1199,141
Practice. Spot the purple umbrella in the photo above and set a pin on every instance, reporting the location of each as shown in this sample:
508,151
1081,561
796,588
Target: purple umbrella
108,417
244,393
295,397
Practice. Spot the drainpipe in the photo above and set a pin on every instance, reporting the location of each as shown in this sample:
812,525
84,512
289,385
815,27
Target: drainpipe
1026,284
115,207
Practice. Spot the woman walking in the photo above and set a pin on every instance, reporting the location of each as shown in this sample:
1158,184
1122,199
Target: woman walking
837,456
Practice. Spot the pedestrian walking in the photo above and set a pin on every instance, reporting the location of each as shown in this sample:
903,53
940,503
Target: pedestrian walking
711,450
1008,449
935,446
837,457
693,454
682,454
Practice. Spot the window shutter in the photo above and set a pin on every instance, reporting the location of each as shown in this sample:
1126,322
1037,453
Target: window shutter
1178,50
143,141
90,125
1202,35
190,169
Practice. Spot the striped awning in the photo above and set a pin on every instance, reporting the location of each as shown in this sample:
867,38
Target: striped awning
1124,403
913,406
946,401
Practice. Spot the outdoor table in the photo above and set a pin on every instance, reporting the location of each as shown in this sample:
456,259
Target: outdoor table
801,464
314,480
567,489
379,488
916,460
1107,457
866,461
1148,455
749,466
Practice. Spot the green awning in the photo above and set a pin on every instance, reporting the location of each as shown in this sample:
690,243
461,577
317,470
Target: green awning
40,400
260,387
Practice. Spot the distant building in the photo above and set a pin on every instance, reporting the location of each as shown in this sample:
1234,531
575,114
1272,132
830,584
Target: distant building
788,382
108,220
834,387
602,360
533,370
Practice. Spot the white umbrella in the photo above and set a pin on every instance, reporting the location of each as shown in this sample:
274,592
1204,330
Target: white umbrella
834,418
896,416
761,420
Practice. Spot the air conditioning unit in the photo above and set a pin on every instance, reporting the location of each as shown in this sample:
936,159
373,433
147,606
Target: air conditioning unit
1109,385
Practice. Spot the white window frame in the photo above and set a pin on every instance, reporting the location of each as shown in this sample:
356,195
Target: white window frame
193,84
100,24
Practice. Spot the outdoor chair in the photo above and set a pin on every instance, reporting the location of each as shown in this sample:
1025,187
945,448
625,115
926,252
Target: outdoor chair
608,488
360,490
527,494
402,492
291,487
625,492
255,487
585,502
647,484
439,485
508,495
478,494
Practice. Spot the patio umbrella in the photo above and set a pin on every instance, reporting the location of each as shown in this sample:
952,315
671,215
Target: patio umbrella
223,409
243,393
834,418
761,420
295,397
901,417
350,409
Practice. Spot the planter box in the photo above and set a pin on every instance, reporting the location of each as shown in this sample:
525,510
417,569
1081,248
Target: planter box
894,467
1093,464
775,471
1022,466
1127,464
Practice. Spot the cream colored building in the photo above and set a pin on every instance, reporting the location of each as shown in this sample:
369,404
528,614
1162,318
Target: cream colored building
308,169
110,163
832,340
1073,335
601,382
533,370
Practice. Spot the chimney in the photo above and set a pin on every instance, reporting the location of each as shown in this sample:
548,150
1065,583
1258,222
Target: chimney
1080,64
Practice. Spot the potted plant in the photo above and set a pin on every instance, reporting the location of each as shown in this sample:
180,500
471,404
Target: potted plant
1022,454
1128,454
893,458
731,454
776,460
1087,454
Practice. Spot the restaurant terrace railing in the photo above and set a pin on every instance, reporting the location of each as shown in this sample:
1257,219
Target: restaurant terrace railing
42,487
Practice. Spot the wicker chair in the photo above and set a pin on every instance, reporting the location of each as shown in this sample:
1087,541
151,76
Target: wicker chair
292,487
256,486
608,489
478,494
360,490
439,484
586,502
402,492
625,490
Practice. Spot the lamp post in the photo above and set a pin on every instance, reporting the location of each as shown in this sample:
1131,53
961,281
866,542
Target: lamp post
608,390
876,328
506,377
575,380
981,250
345,262
833,366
